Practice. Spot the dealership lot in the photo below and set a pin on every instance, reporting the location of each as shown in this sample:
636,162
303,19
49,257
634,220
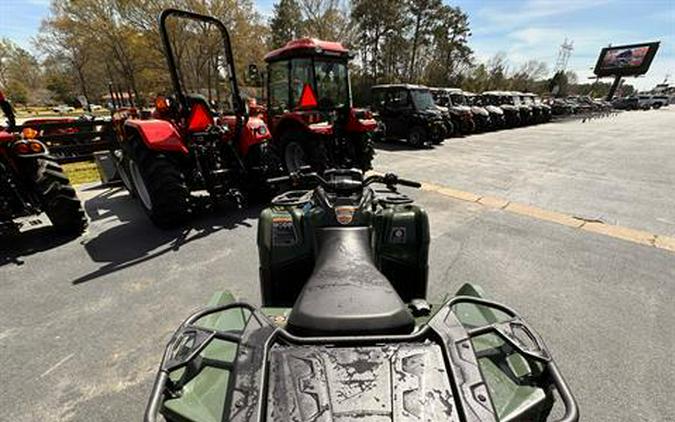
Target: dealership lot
83,322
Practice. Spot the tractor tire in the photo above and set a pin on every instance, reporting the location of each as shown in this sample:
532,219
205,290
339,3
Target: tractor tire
417,136
160,186
59,199
122,165
365,152
297,151
295,155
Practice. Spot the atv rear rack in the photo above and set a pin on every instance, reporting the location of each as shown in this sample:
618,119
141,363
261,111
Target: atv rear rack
261,340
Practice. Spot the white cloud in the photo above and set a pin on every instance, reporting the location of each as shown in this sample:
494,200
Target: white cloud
507,16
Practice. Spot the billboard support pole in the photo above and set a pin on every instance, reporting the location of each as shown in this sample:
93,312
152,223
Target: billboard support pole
615,86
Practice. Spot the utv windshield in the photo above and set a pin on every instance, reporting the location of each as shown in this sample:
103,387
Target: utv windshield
491,100
526,100
422,99
458,99
475,100
441,98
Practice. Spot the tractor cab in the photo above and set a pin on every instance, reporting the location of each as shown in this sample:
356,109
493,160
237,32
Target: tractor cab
309,107
308,76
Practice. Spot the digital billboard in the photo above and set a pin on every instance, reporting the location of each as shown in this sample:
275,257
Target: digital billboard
626,60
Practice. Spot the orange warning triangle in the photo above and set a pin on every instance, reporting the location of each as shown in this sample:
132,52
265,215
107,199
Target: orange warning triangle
307,99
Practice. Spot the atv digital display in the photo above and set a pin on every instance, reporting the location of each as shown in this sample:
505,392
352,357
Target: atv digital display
626,60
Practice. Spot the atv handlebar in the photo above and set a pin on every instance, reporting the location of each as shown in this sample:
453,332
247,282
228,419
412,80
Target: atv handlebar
389,179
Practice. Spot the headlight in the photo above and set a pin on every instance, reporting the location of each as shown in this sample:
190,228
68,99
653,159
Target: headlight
261,130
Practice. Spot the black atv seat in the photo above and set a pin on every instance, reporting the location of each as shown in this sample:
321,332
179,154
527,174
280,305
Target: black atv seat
346,294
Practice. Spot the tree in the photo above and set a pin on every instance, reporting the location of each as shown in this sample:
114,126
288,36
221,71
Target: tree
286,23
497,67
375,21
20,73
118,41
326,19
558,85
572,77
423,13
451,57
527,74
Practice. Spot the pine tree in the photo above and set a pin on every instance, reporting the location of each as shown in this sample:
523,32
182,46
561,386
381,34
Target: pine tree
286,24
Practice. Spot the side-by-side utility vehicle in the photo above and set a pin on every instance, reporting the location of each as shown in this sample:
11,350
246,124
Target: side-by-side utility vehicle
347,334
309,108
193,142
527,116
32,182
409,112
481,116
460,114
542,111
501,99
476,101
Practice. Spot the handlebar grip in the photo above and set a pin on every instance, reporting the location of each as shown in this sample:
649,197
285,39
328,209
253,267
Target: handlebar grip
280,179
409,183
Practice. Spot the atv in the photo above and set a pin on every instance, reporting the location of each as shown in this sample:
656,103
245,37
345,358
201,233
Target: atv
346,334
193,142
32,182
408,112
309,108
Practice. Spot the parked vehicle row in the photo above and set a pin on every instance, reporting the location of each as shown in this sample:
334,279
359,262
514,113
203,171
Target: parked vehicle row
426,116
641,102
579,104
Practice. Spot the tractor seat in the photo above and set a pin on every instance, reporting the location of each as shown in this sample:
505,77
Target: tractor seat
346,294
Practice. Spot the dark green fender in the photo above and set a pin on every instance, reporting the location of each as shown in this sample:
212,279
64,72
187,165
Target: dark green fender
506,372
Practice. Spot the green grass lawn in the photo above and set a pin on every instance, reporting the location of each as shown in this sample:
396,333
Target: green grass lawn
39,112
84,172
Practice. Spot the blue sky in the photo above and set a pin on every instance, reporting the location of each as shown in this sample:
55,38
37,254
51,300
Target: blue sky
524,29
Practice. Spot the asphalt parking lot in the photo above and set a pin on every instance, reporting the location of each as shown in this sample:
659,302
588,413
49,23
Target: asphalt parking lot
83,321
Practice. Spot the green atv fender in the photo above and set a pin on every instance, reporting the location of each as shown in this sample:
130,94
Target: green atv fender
203,398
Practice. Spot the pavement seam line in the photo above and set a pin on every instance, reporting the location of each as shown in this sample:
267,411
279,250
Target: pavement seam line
598,227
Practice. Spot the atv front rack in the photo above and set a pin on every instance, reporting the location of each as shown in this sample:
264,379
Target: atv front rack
253,384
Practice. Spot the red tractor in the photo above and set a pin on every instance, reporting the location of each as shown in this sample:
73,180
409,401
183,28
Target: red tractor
309,108
192,142
31,181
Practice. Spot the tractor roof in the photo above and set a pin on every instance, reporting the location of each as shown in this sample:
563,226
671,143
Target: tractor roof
307,47
403,86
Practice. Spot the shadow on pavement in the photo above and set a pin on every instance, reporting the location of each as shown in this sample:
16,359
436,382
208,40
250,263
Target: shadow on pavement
13,247
393,145
133,239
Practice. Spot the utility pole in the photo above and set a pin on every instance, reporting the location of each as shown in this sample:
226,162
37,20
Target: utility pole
564,54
